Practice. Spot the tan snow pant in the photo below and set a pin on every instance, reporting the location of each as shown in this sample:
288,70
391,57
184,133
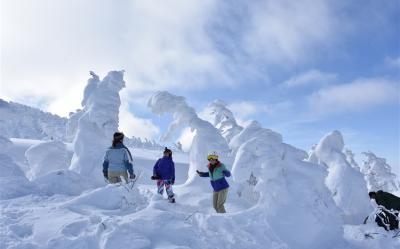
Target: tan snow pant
115,176
219,199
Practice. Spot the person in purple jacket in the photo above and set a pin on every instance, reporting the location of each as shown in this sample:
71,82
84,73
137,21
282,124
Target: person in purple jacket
164,173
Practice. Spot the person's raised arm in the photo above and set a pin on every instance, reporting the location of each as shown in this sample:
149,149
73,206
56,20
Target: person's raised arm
203,174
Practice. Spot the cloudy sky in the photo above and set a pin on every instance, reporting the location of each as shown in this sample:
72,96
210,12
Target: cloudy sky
302,68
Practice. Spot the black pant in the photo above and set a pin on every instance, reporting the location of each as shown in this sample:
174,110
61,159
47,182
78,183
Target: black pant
387,220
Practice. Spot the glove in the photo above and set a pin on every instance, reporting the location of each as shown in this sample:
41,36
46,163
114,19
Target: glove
132,176
105,174
155,177
173,181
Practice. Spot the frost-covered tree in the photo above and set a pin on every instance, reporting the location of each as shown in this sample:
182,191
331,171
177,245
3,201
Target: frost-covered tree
97,122
346,184
21,121
290,192
207,138
350,158
222,118
378,174
72,124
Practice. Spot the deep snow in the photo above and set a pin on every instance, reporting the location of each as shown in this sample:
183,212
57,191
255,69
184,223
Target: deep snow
112,217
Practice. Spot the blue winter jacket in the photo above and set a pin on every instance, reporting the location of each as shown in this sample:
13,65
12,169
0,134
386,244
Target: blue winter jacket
118,158
165,168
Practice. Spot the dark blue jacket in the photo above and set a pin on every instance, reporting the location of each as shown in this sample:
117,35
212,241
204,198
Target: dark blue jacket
165,168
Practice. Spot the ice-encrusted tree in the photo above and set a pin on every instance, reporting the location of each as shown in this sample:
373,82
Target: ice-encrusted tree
290,192
97,122
378,174
207,138
222,118
350,158
347,184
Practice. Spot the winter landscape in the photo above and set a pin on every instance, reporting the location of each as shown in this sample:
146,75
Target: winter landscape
53,194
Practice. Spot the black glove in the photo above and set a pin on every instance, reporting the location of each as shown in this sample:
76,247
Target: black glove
173,181
105,174
155,177
132,176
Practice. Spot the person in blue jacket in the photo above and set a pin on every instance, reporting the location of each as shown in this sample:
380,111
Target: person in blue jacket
118,161
217,173
164,173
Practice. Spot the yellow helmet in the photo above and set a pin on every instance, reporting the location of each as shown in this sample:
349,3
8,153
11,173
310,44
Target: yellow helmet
212,156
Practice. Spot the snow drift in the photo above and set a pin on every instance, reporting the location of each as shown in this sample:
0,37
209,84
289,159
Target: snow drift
13,182
47,156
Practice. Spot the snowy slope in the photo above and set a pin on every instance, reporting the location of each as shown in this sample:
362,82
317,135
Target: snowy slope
22,121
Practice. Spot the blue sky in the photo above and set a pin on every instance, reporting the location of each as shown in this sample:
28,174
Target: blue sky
302,68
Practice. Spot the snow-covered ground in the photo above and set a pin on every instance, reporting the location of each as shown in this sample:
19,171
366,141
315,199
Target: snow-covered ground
115,216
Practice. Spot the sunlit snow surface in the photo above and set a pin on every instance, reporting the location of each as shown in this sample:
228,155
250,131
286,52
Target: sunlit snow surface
116,216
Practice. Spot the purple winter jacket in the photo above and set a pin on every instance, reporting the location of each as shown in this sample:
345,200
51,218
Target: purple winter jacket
165,168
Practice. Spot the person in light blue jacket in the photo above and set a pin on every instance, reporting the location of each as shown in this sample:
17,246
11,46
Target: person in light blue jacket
118,161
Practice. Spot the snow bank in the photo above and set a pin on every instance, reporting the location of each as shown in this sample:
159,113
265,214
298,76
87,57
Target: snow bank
13,182
110,197
291,193
96,125
378,174
47,156
346,184
207,138
64,182
5,144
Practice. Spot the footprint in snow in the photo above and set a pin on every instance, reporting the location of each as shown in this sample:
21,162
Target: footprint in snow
75,229
22,230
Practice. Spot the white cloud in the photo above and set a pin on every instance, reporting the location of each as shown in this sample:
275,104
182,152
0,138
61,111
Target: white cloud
393,62
311,77
247,110
161,45
358,95
47,54
291,31
243,109
134,126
